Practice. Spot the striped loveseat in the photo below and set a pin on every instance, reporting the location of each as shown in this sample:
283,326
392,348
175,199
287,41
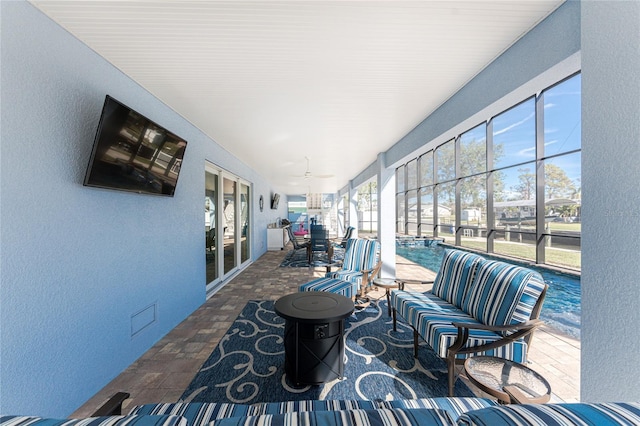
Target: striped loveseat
415,412
476,307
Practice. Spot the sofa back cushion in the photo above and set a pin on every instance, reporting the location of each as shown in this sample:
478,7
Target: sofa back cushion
455,276
196,413
566,414
502,294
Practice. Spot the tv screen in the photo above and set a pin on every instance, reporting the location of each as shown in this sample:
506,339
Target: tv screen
132,153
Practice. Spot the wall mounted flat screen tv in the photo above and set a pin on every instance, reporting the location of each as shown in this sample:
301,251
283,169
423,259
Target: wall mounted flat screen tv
132,153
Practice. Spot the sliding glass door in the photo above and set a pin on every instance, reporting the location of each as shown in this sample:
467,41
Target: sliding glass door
227,224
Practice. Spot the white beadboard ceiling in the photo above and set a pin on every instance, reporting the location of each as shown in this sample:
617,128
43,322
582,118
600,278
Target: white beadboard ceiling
336,82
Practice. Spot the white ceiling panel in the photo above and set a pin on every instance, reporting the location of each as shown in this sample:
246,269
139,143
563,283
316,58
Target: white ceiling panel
275,82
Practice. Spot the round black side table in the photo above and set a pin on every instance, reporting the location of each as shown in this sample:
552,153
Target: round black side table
314,335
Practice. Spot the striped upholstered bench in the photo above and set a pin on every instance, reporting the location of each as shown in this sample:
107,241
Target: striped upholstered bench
331,285
476,307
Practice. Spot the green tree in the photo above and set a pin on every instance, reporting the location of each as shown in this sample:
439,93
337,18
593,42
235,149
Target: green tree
557,183
527,185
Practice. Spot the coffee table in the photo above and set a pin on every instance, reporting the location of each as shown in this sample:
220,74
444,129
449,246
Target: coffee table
507,380
314,335
387,284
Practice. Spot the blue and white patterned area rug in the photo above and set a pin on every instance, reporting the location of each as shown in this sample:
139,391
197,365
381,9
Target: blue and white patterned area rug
247,366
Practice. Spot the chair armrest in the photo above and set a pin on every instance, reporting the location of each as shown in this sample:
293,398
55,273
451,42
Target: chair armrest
500,328
401,282
519,330
113,406
368,275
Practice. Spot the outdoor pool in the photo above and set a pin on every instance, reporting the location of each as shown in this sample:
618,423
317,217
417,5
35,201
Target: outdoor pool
561,309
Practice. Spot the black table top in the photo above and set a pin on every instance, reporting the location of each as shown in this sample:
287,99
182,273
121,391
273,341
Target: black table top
314,306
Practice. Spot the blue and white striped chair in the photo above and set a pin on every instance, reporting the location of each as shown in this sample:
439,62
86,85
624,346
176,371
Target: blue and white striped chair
361,264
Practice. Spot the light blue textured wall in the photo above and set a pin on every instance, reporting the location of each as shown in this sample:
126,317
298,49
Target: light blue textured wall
78,262
611,204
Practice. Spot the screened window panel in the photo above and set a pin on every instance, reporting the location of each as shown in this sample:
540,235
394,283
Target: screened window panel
412,174
515,244
562,117
445,162
514,135
473,151
562,251
563,194
426,207
412,210
412,228
514,198
400,186
400,211
425,165
446,203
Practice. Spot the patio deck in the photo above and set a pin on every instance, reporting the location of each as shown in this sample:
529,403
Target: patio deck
165,370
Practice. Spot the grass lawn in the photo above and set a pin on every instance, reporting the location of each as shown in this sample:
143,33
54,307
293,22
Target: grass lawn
554,256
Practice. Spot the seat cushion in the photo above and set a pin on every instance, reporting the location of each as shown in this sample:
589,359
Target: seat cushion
386,417
433,319
354,277
455,276
555,415
331,285
502,293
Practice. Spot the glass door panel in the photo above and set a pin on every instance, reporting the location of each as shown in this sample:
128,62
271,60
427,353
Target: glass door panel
210,221
244,223
229,224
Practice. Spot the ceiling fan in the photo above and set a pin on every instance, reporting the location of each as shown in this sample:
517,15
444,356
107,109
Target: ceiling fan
309,175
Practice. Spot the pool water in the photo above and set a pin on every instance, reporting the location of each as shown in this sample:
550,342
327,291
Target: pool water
561,308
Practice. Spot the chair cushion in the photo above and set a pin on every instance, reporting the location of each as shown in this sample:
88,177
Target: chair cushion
502,293
132,420
331,285
455,276
555,415
360,254
386,417
354,277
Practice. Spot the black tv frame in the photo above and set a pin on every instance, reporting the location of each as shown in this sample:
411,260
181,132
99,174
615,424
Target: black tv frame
133,153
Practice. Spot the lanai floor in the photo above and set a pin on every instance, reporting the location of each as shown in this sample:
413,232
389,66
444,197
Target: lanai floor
165,370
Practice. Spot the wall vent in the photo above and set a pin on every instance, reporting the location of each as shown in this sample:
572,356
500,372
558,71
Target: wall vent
144,318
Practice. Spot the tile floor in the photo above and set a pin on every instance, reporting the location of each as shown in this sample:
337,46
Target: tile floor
165,370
